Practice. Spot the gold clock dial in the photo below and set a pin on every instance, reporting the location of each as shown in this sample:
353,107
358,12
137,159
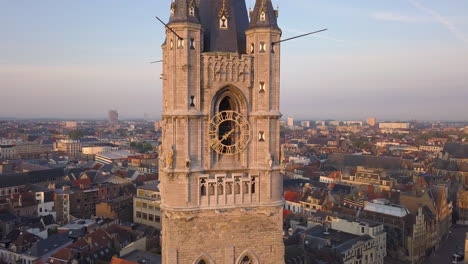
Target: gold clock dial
229,133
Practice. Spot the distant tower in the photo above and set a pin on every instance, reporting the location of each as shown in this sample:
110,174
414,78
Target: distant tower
305,124
113,117
372,121
221,186
290,122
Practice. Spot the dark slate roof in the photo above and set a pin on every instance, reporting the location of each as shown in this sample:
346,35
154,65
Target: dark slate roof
19,179
224,40
457,150
6,217
270,15
107,168
139,256
341,189
48,219
181,12
349,160
48,245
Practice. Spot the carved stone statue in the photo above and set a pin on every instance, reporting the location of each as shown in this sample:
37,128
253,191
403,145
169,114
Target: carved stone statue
270,161
170,158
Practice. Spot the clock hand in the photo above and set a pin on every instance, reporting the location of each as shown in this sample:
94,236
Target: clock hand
227,135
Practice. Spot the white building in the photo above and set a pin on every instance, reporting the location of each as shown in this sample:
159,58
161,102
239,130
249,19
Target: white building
394,125
96,150
45,203
299,160
305,124
431,148
374,250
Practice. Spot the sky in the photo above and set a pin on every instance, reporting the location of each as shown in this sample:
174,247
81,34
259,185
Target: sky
395,60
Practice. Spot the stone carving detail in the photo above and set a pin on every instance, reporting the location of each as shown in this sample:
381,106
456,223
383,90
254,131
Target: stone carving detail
170,158
270,160
219,68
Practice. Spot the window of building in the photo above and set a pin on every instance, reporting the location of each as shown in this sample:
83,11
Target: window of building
202,262
261,87
180,43
220,186
157,219
191,11
151,217
262,16
246,260
229,188
144,216
252,48
237,185
203,187
211,189
223,22
138,214
262,47
145,205
171,44
253,185
261,136
138,204
192,43
363,229
245,187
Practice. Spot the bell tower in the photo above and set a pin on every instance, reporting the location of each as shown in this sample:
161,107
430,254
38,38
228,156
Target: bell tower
219,160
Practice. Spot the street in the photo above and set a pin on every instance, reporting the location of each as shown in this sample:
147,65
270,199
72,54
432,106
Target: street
454,243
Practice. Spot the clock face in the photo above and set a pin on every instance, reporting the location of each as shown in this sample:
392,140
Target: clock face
229,133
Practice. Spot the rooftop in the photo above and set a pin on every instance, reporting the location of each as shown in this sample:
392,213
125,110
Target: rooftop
142,257
45,246
119,154
150,187
383,206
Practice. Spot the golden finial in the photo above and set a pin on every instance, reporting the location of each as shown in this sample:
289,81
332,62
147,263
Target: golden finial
223,11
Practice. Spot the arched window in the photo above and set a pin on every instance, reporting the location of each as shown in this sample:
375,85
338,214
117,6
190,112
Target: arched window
220,186
246,260
237,185
245,189
211,189
223,22
204,259
203,187
228,125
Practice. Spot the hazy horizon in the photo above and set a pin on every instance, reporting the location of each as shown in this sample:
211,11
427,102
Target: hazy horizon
404,60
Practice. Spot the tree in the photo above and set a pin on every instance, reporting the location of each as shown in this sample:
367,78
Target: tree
147,147
76,134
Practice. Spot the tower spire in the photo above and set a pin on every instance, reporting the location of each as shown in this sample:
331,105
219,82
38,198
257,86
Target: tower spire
224,23
263,15
184,11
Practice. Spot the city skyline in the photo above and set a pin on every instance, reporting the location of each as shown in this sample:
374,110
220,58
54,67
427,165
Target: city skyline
78,60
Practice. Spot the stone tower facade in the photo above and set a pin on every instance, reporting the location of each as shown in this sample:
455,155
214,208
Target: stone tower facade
220,177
